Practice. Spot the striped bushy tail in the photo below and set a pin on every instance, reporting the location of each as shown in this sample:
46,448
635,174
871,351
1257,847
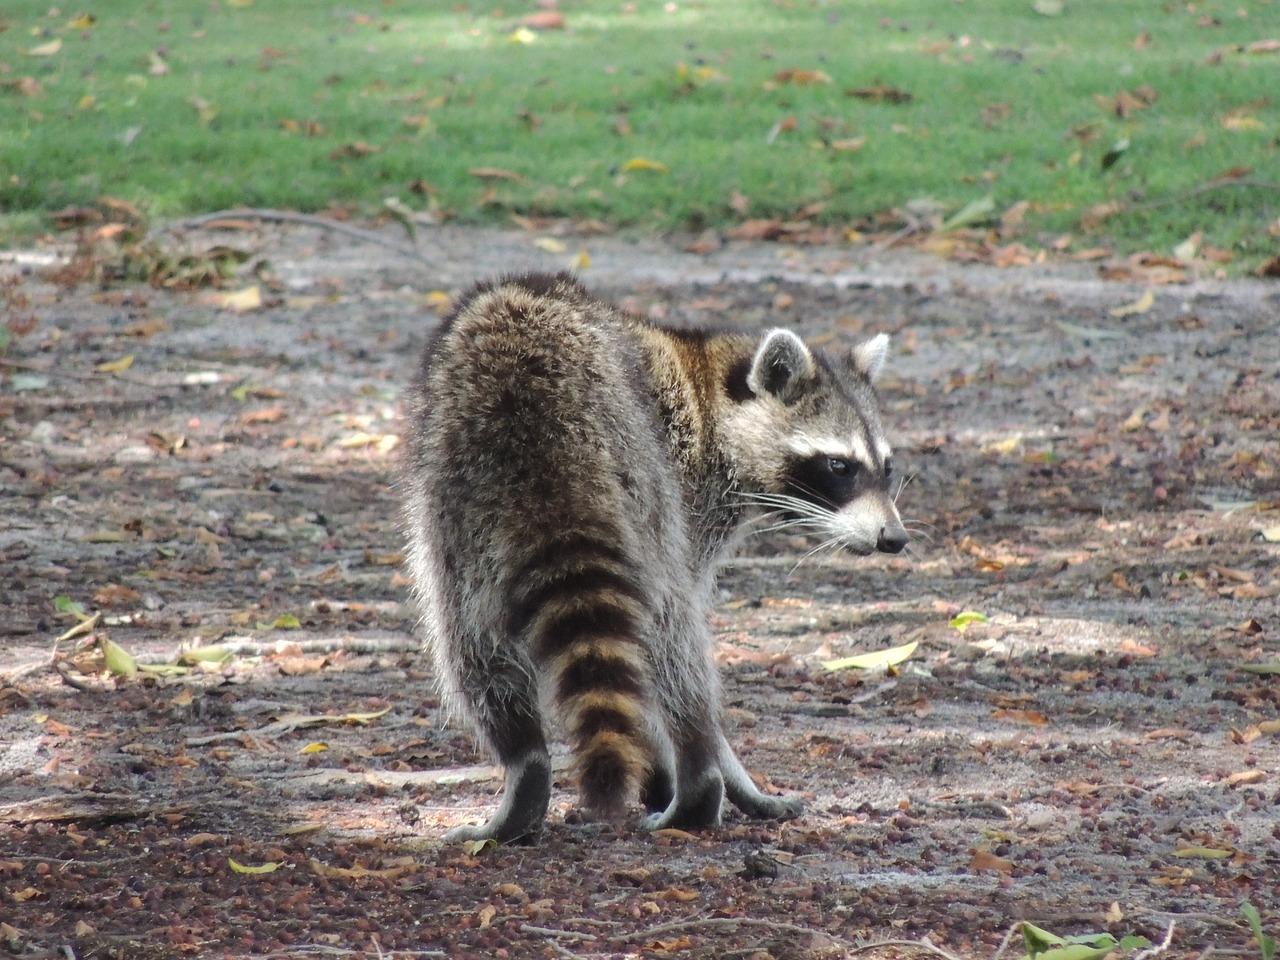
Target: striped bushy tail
583,614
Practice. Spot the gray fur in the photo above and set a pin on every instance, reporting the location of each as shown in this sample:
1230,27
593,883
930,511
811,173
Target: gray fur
573,476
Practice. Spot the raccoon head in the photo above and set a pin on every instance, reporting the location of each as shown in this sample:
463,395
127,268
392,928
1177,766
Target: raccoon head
805,436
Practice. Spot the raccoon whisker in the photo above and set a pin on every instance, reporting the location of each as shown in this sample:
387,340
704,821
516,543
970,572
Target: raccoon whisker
830,545
902,485
785,503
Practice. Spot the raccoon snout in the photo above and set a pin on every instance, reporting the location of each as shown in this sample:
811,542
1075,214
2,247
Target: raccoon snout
892,539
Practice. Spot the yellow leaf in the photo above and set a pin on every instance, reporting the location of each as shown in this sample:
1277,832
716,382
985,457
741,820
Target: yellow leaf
118,660
86,102
250,298
116,366
314,748
1204,853
205,111
870,661
1272,534
641,163
1007,445
265,868
582,261
82,22
523,35
549,244
366,717
1238,123
45,49
1141,305
962,620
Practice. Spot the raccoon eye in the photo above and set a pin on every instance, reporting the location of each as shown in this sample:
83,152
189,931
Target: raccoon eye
839,466
888,468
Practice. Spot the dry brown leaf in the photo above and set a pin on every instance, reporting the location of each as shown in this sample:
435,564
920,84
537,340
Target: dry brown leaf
543,20
265,415
1135,649
1168,733
801,78
880,93
985,860
1245,777
357,149
494,173
114,593
1033,717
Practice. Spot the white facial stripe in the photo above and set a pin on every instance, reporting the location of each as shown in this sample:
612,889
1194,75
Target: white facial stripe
883,450
855,450
807,446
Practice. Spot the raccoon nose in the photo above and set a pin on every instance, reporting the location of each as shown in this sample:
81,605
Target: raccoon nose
891,540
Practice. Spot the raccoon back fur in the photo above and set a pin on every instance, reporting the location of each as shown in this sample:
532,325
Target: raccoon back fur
573,475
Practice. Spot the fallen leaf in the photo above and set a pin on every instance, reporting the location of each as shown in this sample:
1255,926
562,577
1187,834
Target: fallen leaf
250,298
962,620
641,163
801,78
1033,717
975,211
880,93
1203,853
264,415
264,868
1269,268
206,112
985,860
116,366
357,149
494,173
1141,305
543,20
118,660
45,49
870,661
1241,123
1263,46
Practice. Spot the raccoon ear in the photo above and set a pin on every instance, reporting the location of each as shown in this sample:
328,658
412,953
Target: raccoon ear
868,358
782,362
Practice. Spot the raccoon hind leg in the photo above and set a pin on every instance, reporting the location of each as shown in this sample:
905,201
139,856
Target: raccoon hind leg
506,711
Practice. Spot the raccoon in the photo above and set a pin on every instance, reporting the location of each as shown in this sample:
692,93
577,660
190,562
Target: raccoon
573,475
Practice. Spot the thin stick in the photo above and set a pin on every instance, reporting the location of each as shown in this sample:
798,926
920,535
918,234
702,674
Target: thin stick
288,216
729,922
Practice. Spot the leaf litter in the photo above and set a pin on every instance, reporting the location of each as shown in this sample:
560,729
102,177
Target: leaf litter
1123,675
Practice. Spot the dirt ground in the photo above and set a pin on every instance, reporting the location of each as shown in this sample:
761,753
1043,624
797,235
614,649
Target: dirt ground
1095,757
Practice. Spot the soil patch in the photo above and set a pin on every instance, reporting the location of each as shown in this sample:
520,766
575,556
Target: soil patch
1095,756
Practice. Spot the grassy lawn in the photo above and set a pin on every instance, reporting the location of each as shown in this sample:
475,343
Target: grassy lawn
659,115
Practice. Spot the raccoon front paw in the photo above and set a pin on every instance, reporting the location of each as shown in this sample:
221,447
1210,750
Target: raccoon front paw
764,807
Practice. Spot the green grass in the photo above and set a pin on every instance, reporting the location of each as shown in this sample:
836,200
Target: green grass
997,90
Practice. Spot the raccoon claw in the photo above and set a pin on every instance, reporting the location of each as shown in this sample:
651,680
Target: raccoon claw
488,831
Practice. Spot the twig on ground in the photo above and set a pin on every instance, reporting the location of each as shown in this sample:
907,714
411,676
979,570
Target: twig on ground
726,922
1203,188
561,934
1160,947
1005,942
923,944
288,216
